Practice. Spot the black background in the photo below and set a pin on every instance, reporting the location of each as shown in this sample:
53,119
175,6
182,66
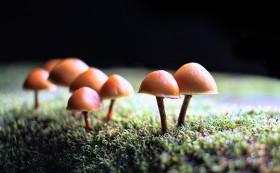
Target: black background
159,34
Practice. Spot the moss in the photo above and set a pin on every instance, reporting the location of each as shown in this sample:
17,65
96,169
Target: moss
238,139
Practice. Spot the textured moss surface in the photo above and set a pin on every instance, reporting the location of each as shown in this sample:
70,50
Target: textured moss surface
221,133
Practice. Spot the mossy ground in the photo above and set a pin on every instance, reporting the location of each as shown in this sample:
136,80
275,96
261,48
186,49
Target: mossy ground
217,137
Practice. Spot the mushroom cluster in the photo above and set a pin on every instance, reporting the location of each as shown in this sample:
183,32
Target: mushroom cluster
190,79
90,86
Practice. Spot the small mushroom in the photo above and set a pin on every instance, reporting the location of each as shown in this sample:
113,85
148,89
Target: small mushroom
92,78
67,70
115,87
162,85
193,79
51,64
37,80
85,100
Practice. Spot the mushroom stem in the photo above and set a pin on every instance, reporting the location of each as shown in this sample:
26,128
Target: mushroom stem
37,105
160,103
183,111
110,112
87,120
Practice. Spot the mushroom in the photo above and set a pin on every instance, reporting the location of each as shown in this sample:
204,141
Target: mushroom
85,100
67,70
92,78
193,79
162,85
51,64
115,87
37,80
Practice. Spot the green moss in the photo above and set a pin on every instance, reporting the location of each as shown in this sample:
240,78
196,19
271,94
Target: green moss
236,139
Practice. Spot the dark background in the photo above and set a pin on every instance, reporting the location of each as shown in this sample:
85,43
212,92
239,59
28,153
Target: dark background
159,34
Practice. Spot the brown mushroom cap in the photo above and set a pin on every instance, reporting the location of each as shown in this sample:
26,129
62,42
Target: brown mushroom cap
194,79
37,79
85,99
161,84
51,64
93,78
67,70
115,87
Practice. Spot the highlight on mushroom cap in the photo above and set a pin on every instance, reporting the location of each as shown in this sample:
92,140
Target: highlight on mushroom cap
37,79
115,87
51,64
194,79
92,78
160,83
67,70
85,99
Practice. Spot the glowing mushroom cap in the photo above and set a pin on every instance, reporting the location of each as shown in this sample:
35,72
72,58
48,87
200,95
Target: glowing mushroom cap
51,64
93,78
194,79
67,70
161,84
37,79
115,87
85,99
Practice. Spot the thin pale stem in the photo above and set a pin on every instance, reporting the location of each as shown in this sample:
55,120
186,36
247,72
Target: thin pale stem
87,120
183,111
37,105
110,112
160,103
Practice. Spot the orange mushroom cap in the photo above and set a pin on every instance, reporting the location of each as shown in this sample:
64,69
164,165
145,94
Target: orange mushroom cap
37,79
67,70
115,87
194,79
51,64
161,84
93,78
85,99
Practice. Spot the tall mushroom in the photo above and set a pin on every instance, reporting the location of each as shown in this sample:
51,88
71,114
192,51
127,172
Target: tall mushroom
67,70
193,79
162,85
115,87
92,78
85,100
51,64
37,80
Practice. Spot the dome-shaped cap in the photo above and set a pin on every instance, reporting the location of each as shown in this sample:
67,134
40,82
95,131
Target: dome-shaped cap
92,78
194,79
51,64
37,79
161,84
85,99
115,87
67,70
